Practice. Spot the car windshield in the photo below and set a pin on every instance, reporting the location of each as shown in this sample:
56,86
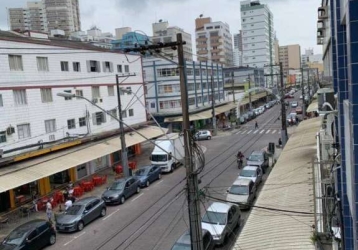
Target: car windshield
181,246
118,185
256,158
239,190
142,172
159,157
16,237
74,210
214,218
248,173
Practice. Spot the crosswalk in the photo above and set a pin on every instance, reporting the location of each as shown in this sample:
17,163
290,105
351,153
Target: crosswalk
258,131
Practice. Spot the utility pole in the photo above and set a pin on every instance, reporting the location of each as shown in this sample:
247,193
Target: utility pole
191,176
250,103
283,110
303,96
233,92
213,106
309,87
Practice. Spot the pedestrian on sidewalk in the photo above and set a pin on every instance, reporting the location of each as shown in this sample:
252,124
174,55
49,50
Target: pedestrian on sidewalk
49,210
256,125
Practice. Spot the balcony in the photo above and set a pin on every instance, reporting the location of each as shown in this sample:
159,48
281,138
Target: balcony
320,33
202,52
201,39
322,13
320,41
321,25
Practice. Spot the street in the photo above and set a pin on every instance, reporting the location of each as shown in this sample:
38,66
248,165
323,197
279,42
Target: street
157,217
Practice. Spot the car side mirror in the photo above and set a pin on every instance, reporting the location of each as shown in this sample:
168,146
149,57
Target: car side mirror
85,212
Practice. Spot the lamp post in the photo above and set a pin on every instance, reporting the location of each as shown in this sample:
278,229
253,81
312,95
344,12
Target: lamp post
124,155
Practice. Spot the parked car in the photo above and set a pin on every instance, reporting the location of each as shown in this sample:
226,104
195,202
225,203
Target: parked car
34,234
262,109
184,242
148,174
301,97
80,214
253,173
257,112
268,105
247,118
220,219
120,190
259,158
203,135
299,110
288,96
252,115
294,104
242,119
242,191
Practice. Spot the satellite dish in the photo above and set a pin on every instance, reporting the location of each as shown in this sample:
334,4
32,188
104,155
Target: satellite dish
201,15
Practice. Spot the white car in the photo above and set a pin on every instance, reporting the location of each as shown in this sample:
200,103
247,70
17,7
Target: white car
294,104
220,219
253,173
242,191
203,135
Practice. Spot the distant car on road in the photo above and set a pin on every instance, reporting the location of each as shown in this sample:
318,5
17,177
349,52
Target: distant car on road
220,219
34,234
294,104
80,214
299,110
253,173
242,191
259,158
203,135
148,174
184,242
120,190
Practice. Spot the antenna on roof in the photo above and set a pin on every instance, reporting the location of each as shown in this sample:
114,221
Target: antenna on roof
201,15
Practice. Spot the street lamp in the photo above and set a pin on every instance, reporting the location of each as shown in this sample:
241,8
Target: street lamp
124,154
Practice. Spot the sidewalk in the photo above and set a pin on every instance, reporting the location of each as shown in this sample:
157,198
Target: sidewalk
142,160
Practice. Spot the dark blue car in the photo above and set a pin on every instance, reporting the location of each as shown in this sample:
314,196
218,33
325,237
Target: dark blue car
148,174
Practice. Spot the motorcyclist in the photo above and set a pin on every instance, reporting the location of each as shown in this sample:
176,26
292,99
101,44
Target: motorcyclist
240,157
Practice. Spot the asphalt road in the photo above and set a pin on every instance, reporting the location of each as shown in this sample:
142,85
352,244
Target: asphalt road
157,217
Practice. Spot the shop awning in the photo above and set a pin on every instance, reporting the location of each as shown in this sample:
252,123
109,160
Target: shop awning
207,114
22,173
313,106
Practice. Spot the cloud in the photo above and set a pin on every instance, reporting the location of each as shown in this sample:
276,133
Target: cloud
143,5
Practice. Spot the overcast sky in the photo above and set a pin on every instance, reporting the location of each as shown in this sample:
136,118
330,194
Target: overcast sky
295,21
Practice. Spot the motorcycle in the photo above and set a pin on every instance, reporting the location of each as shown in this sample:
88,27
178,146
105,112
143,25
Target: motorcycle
240,162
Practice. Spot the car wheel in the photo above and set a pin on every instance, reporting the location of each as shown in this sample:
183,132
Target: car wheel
123,199
103,212
80,226
147,183
138,190
225,240
171,168
209,138
159,176
52,240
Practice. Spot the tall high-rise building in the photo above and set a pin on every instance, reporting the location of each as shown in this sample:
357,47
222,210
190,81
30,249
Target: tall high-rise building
47,15
237,53
257,34
290,56
276,46
213,41
164,33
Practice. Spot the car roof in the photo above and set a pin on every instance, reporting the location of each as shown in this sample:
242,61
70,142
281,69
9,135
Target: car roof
185,238
124,179
219,207
250,167
30,225
86,200
257,152
242,182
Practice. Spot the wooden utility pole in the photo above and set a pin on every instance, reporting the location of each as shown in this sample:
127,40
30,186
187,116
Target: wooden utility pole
213,106
191,175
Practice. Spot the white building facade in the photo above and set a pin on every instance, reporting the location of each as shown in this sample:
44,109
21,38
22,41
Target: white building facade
95,37
31,111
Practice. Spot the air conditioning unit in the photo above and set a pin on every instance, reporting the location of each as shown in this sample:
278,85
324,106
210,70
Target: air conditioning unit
10,130
51,137
97,100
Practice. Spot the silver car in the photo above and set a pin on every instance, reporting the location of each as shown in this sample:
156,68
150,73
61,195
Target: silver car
184,242
253,173
242,191
203,135
79,214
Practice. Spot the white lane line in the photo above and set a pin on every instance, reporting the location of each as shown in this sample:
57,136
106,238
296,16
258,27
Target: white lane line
105,218
75,237
158,183
262,131
273,131
279,132
249,132
268,131
137,197
256,131
244,131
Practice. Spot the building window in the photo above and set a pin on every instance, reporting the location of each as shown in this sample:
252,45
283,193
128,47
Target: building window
129,90
98,118
2,136
119,68
131,112
20,97
93,66
152,105
1,102
124,114
107,67
82,121
68,98
23,131
64,66
95,92
126,68
76,67
50,125
110,90
79,92
42,63
15,63
113,114
71,124
46,95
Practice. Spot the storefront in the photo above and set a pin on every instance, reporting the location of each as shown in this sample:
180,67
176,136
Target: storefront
26,193
59,179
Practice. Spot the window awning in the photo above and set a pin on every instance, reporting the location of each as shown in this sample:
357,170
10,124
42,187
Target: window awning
29,171
207,114
313,106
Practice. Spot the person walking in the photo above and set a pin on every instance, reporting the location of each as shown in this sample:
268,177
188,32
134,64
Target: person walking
256,125
49,210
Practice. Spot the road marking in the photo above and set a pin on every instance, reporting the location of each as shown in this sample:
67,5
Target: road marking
249,132
244,131
137,197
262,131
268,131
158,182
279,132
74,238
256,131
105,218
274,131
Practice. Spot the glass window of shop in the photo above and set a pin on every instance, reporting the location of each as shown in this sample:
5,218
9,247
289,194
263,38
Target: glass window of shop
26,193
59,179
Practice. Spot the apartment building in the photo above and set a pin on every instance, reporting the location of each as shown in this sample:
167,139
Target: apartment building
290,56
95,37
47,15
237,52
31,110
213,41
164,33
